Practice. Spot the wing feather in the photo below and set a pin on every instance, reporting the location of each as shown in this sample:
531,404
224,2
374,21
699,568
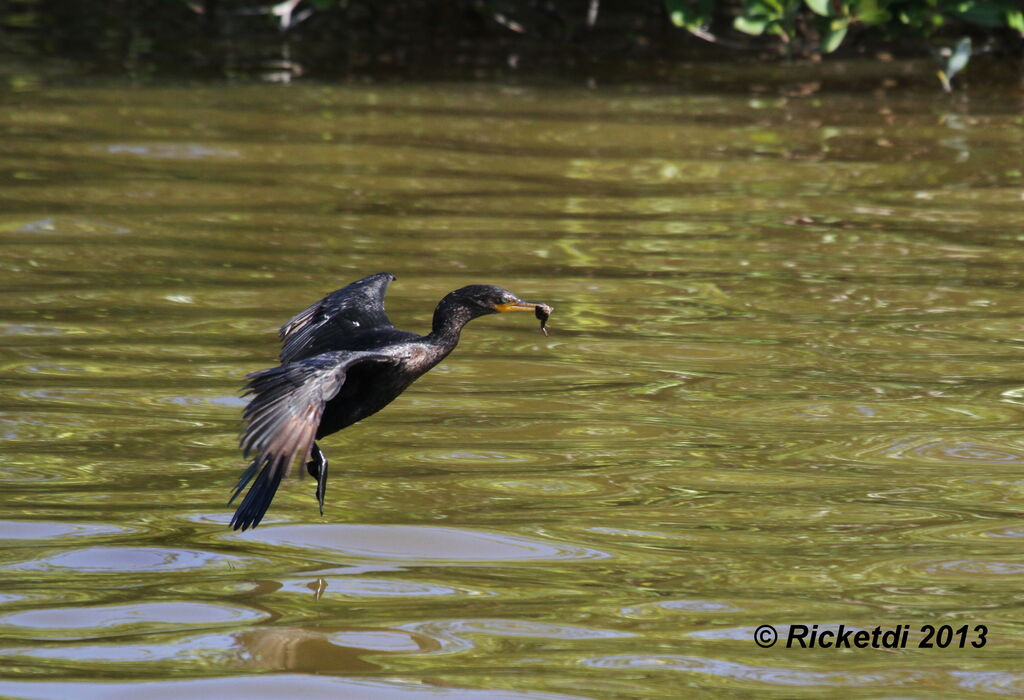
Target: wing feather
326,324
281,422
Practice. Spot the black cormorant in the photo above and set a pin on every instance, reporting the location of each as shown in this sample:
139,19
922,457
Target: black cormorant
341,361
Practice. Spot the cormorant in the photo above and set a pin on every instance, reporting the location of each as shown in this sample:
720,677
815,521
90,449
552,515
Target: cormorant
341,361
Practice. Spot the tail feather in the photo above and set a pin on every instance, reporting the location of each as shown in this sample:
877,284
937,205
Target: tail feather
282,420
247,475
256,502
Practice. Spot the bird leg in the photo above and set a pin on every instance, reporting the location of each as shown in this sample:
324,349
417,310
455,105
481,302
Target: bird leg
317,468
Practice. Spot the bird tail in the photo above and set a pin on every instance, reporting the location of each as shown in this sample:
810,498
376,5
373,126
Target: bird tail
282,420
255,504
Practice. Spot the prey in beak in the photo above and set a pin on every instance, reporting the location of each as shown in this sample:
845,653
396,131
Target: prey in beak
541,311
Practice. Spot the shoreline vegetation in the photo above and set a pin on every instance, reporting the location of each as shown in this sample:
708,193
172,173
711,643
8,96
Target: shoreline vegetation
484,39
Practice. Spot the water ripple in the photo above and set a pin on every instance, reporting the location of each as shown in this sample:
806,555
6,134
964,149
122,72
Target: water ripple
355,587
676,607
84,622
171,150
50,530
132,560
270,687
412,543
783,382
461,635
994,682
768,675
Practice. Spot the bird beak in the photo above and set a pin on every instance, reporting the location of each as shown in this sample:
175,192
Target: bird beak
519,305
541,311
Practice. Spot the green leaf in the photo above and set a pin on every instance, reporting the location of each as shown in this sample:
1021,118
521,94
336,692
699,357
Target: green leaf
921,18
778,30
874,16
692,14
760,8
751,25
869,11
820,7
676,12
1015,20
835,35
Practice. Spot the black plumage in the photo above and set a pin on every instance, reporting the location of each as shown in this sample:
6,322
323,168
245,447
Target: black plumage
342,360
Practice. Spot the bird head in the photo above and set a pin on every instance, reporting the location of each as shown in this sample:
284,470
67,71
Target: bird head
483,299
477,300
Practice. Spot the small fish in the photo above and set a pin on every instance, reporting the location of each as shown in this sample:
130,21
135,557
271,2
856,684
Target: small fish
542,312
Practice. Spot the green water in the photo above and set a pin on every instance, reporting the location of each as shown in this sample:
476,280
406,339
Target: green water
783,386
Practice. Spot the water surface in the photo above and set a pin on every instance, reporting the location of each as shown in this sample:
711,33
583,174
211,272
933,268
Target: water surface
782,387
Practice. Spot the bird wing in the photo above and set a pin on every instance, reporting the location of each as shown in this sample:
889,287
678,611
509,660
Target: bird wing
282,419
339,315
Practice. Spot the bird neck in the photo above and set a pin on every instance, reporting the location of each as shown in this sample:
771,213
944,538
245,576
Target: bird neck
449,319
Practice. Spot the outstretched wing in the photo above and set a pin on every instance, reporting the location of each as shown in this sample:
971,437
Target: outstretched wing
327,323
282,419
